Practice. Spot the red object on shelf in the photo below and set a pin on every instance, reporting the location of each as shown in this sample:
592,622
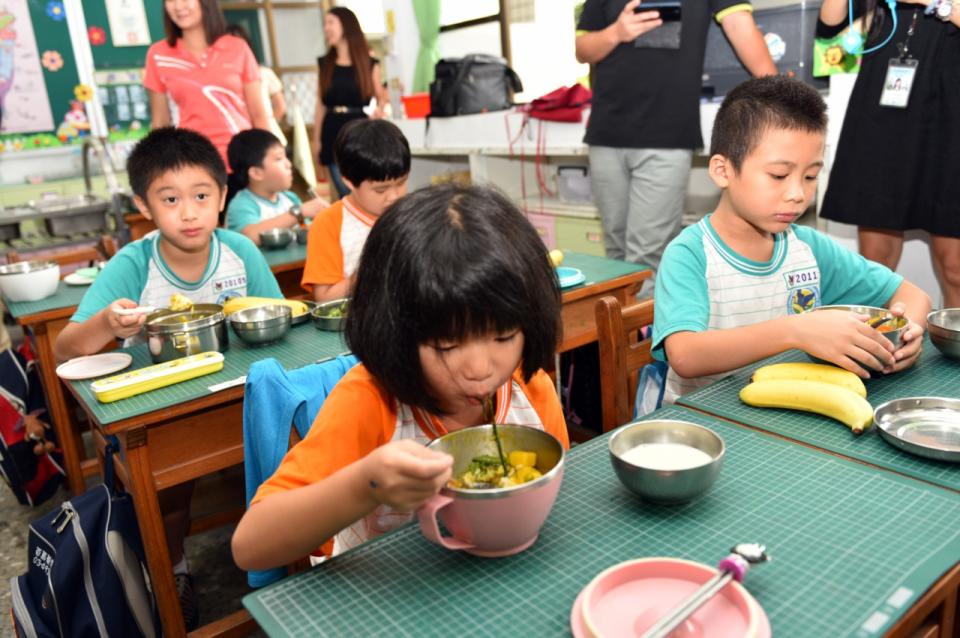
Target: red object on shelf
417,105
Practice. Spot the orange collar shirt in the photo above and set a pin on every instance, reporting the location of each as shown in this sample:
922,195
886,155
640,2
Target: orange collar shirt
359,416
334,243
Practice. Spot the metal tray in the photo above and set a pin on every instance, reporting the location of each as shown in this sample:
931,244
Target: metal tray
925,426
296,321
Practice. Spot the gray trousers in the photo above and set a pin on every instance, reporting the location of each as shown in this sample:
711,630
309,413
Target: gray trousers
640,194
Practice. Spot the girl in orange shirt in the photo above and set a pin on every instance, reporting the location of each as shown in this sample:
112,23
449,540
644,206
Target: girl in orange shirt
455,301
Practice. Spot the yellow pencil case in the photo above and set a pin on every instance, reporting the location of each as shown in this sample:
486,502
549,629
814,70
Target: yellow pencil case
128,384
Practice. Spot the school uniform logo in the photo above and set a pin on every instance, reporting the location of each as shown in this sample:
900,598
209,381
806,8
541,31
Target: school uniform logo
803,290
229,287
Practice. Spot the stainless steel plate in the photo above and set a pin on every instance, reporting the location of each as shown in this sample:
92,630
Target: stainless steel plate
305,316
926,426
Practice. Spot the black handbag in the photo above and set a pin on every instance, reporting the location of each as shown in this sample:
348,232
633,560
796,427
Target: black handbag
473,84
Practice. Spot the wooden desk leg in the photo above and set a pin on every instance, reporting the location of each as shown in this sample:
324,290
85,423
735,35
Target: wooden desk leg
67,437
147,505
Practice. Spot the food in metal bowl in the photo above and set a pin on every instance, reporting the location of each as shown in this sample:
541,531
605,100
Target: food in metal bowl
173,334
276,238
329,315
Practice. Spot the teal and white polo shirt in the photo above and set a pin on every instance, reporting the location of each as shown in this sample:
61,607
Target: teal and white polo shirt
249,208
235,268
702,284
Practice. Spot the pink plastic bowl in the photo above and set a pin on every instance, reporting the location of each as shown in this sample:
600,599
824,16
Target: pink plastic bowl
629,598
500,521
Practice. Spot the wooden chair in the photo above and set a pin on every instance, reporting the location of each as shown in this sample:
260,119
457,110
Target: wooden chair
622,355
105,248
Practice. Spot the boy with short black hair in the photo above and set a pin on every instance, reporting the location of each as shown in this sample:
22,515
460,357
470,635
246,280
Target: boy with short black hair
179,182
374,161
734,288
262,169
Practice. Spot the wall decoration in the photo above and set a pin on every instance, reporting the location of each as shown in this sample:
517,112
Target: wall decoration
23,93
83,92
56,11
128,23
52,61
125,102
97,36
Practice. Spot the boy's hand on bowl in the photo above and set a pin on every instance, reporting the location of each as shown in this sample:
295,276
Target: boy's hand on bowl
404,474
846,340
123,326
911,342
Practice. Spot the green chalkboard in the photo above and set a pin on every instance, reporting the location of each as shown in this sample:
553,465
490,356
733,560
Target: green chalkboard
249,19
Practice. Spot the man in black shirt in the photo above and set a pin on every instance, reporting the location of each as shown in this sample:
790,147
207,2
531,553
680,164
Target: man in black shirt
645,118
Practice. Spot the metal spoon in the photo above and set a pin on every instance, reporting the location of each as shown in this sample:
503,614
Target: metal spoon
734,566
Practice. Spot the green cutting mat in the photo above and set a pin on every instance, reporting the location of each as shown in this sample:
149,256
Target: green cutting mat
853,548
933,375
302,346
65,297
599,269
292,252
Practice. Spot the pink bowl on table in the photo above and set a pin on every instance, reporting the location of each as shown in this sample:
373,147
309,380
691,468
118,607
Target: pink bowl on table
627,599
498,521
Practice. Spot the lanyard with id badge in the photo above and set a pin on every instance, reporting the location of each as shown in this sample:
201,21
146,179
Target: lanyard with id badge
901,72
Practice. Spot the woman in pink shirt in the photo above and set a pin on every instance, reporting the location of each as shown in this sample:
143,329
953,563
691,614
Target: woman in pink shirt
211,76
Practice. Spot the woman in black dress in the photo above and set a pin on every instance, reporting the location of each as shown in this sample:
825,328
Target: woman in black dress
898,168
349,78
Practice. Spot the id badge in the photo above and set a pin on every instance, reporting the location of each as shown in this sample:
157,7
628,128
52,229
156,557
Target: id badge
898,82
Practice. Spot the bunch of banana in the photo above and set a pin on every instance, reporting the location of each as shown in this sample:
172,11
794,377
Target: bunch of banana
234,304
811,372
811,387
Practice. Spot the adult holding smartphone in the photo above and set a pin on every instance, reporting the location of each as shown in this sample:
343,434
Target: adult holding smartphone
349,78
211,76
896,166
645,118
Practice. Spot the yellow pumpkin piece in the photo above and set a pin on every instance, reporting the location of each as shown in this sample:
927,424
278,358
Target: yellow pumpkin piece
179,303
525,474
234,304
521,458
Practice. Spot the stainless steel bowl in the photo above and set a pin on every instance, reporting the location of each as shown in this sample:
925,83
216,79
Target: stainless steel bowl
661,485
944,328
172,334
890,329
302,235
262,324
925,426
29,280
330,315
276,237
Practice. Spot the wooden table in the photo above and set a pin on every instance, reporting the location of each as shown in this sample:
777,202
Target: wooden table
604,277
854,550
47,317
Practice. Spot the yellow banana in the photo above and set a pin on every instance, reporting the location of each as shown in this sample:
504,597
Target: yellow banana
234,304
811,372
827,399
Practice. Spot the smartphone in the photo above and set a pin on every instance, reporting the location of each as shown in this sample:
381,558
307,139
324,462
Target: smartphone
669,9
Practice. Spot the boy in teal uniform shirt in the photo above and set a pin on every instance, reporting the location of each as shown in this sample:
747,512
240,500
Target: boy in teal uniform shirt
179,182
734,288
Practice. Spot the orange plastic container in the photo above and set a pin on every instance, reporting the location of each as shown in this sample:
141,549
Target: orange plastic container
416,106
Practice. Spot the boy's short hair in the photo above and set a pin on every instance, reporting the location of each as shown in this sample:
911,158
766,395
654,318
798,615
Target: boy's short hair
445,263
374,150
247,150
773,101
168,149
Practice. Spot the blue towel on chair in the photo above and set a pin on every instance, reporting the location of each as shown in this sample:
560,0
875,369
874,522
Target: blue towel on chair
273,400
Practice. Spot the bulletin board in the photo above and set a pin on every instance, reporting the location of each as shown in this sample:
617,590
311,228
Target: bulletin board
40,95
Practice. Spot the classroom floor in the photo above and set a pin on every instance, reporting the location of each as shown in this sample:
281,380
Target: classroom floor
219,584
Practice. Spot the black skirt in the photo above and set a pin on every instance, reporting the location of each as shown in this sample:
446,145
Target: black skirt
899,169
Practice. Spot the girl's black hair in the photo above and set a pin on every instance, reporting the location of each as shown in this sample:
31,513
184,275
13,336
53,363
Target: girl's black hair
247,150
447,263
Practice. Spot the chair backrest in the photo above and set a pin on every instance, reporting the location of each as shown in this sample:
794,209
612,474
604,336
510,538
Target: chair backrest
622,354
105,249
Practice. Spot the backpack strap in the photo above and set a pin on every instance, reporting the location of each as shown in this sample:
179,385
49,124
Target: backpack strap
113,447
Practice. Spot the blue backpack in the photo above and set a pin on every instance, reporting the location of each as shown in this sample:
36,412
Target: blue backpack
87,573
